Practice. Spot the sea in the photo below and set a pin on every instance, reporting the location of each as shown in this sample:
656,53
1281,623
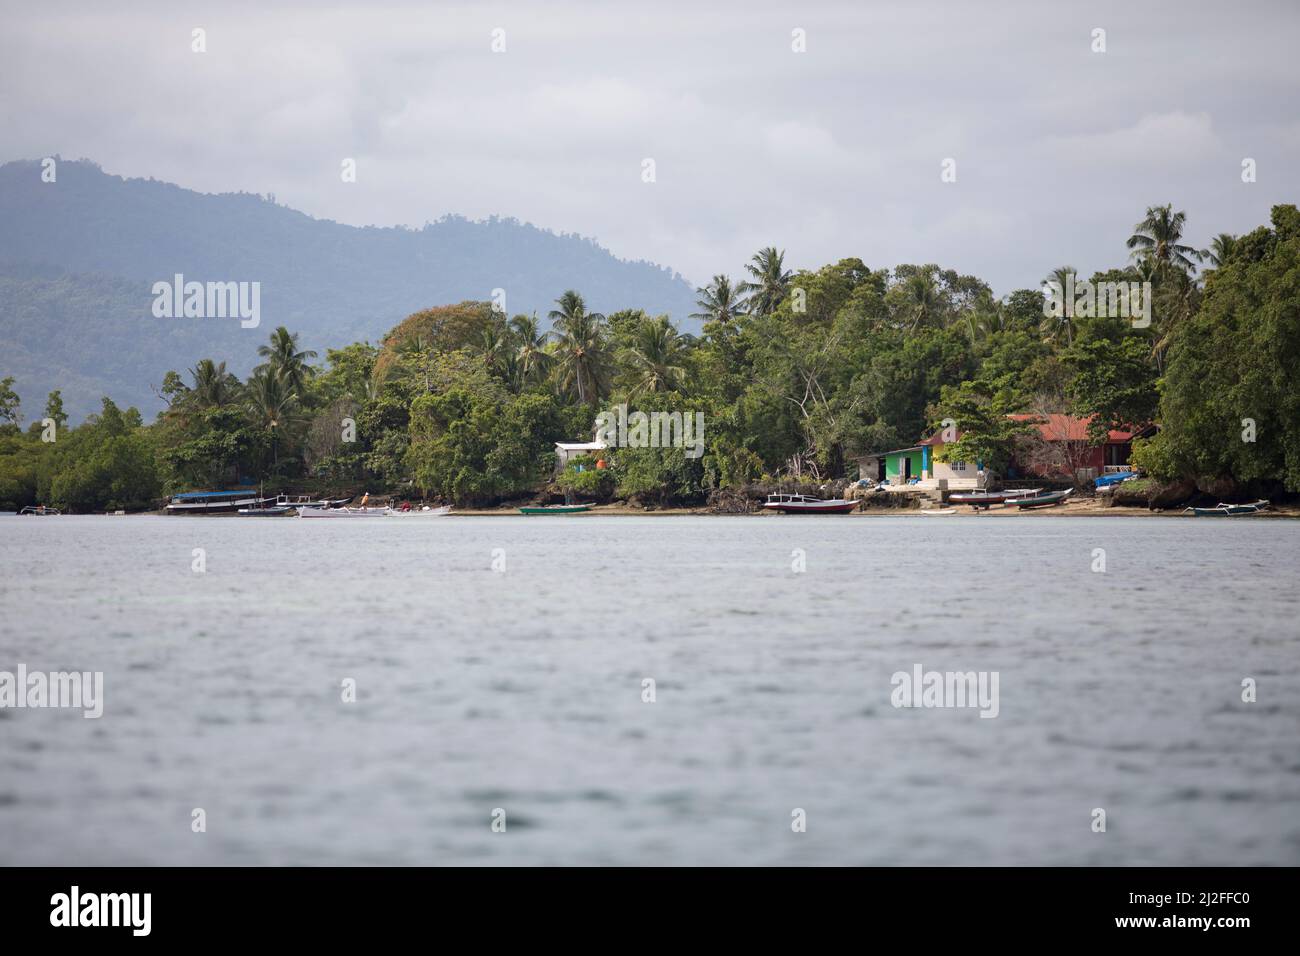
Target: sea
653,690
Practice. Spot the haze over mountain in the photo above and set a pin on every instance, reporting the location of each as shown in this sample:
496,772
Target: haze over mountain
79,257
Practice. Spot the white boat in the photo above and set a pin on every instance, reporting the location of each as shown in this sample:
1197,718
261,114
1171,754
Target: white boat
930,512
805,504
425,512
309,512
215,502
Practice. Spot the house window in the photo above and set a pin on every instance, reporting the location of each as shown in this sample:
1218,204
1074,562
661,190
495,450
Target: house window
959,466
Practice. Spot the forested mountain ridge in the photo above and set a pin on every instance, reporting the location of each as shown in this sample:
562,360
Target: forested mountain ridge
78,258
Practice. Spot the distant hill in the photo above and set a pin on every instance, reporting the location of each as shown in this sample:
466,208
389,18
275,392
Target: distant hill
78,259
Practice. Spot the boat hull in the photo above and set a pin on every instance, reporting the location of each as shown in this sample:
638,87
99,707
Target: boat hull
309,512
1040,501
811,507
555,510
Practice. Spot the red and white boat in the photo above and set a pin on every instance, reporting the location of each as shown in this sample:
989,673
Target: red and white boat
807,505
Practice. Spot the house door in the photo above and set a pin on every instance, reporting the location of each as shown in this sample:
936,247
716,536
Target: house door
907,467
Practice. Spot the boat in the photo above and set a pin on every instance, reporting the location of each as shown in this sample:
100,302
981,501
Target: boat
978,499
425,512
40,511
1114,478
1225,510
305,501
807,505
554,509
930,512
1041,500
986,499
306,511
215,502
271,511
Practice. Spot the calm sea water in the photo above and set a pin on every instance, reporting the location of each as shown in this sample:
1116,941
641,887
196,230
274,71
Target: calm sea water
522,690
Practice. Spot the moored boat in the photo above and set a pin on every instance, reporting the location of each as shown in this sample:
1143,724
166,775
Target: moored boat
269,511
807,505
1225,510
1041,500
554,509
40,511
425,512
215,502
306,511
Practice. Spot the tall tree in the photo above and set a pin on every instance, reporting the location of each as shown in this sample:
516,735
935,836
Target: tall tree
1221,247
770,281
582,364
1159,237
656,359
530,348
719,301
1056,328
214,387
283,356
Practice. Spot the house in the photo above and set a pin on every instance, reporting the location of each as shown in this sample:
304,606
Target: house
1060,448
565,450
916,467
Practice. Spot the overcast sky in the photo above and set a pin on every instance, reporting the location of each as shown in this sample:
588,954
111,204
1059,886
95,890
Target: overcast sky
829,153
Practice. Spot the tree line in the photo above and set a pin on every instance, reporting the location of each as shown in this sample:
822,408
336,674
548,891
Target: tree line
796,372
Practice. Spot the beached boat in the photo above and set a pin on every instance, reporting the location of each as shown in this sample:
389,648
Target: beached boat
215,502
1041,500
1114,478
933,512
425,512
269,511
1225,510
40,511
986,499
309,512
807,505
554,509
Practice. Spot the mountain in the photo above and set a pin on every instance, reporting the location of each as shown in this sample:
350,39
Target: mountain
79,258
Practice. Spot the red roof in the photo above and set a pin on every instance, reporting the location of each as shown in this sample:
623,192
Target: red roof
1068,428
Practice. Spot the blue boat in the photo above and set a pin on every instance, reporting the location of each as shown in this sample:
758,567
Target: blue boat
1106,481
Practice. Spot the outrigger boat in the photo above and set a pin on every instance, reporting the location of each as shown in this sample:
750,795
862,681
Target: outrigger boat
306,511
40,511
1225,510
425,512
986,499
807,505
554,509
271,511
1041,501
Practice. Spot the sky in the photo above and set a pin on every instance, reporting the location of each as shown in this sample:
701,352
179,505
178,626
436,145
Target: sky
837,151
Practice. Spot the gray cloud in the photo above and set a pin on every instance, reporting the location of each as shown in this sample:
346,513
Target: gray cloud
831,153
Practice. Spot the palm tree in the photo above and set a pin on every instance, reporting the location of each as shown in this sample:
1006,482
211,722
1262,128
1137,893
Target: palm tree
767,267
530,348
922,301
269,400
1221,247
1054,327
719,301
495,347
214,387
582,356
1157,237
656,359
283,356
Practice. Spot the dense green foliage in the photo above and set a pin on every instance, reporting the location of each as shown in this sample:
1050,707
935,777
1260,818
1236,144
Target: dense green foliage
795,374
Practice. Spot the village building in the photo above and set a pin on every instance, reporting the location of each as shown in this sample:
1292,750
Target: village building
1059,449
